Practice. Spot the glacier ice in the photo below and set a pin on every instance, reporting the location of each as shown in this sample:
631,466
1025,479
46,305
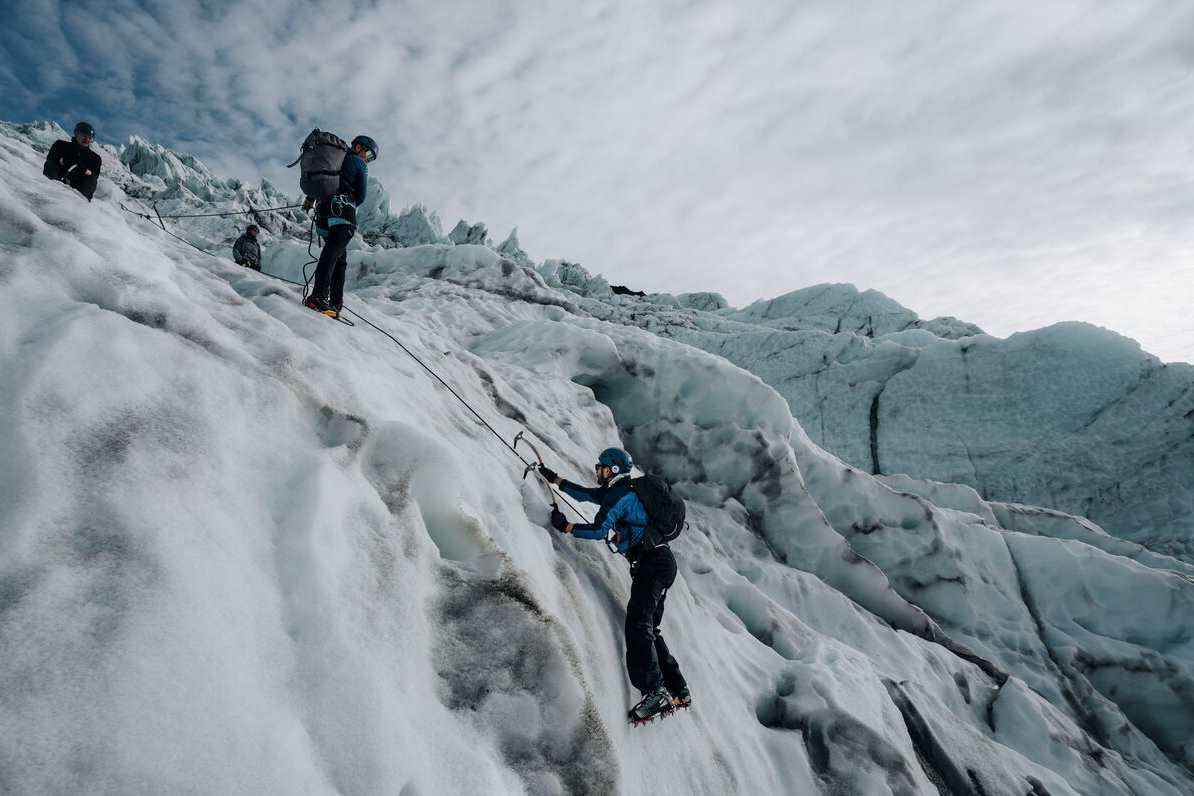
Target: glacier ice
246,550
1072,417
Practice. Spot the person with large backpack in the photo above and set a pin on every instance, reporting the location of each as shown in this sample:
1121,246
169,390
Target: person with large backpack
637,518
74,162
334,178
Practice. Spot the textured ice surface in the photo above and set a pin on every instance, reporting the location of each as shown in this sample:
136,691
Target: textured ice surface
248,550
1072,416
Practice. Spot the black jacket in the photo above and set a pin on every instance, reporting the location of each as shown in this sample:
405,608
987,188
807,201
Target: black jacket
69,162
246,251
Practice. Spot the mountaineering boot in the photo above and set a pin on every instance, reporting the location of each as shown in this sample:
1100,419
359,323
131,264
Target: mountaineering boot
682,698
322,307
656,703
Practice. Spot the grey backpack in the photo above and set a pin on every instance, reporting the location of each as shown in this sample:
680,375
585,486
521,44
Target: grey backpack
319,164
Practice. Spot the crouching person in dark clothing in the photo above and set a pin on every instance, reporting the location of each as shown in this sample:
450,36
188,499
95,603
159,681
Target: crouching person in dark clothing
652,669
74,162
336,223
247,251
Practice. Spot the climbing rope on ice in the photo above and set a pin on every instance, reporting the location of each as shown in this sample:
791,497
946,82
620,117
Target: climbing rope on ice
208,215
520,437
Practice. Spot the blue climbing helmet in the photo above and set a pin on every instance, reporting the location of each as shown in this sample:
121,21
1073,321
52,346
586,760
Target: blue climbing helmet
367,144
616,459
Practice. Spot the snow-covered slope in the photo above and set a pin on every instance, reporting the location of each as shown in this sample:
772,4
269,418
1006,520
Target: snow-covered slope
246,549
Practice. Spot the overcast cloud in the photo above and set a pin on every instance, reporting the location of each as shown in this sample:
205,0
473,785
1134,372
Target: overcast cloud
1012,164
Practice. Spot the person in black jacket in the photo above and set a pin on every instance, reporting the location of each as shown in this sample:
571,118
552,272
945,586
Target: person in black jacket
74,162
246,251
336,223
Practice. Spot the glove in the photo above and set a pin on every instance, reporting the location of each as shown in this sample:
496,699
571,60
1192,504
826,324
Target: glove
549,474
559,521
308,203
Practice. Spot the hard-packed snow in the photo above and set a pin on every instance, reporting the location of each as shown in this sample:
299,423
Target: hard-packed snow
247,549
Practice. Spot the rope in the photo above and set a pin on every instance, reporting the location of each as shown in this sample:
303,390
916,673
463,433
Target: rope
458,397
394,339
314,260
148,217
234,212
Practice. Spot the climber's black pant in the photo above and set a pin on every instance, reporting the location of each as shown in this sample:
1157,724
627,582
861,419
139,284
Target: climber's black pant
329,274
648,661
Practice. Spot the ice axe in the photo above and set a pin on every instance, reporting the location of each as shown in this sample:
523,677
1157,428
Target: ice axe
534,466
521,437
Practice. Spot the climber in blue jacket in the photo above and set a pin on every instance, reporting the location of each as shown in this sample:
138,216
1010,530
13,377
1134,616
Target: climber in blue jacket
622,520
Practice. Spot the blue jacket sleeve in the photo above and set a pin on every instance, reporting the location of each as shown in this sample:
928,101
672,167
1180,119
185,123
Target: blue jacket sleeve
578,492
618,512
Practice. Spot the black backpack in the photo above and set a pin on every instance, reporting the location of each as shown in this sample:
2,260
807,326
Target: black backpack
319,164
665,511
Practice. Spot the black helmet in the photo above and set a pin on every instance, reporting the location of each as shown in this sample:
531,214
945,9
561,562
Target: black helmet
85,128
251,228
367,144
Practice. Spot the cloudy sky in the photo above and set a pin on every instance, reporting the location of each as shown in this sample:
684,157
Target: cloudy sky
1012,164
